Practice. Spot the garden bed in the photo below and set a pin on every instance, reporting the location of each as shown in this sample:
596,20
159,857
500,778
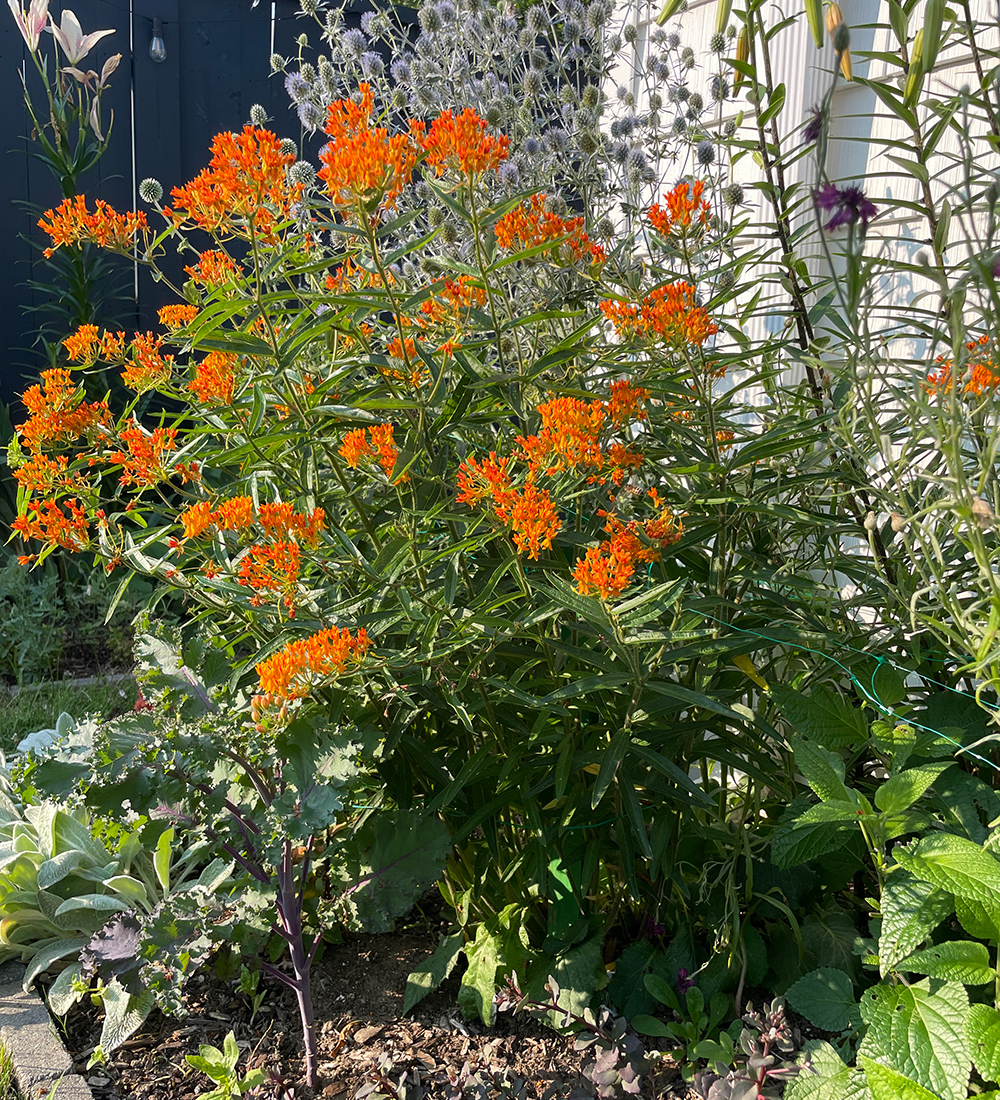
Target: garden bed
358,994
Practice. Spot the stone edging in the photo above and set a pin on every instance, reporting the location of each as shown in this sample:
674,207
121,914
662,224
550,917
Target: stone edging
42,1065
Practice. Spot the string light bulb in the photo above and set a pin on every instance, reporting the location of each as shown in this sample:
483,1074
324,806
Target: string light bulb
157,47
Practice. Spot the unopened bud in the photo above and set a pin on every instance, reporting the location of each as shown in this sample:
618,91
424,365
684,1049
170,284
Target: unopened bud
897,521
841,38
982,512
870,523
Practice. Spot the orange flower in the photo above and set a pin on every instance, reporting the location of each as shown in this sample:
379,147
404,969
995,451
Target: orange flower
273,567
245,189
40,474
144,459
148,367
606,570
177,316
532,518
361,163
670,313
569,436
281,520
292,672
685,208
235,514
624,403
531,225
57,413
215,378
463,145
488,478
197,519
981,375
83,344
378,443
214,268
70,224
48,523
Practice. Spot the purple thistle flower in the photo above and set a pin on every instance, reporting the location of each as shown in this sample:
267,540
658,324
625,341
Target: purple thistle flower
849,205
684,983
814,127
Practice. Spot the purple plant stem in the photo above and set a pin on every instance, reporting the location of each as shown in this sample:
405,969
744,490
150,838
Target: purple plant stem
290,913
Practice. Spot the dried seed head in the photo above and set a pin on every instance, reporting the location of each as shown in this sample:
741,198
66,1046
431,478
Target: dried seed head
982,513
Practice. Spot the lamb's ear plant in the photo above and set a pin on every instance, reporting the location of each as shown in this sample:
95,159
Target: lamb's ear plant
220,1066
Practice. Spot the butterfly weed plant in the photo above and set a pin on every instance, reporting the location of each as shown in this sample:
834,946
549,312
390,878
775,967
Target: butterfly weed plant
499,510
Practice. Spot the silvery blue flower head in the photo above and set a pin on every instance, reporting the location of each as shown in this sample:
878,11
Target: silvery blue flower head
532,147
571,30
557,140
637,160
576,53
706,152
430,20
537,19
401,70
661,70
510,174
475,7
367,19
619,152
354,43
532,83
446,9
371,63
310,115
297,87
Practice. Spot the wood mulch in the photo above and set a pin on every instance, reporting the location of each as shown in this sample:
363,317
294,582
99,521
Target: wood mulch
364,1042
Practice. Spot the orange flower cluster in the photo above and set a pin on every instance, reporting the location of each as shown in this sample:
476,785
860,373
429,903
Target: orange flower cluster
982,373
272,568
87,345
58,415
352,276
462,144
148,366
532,518
245,189
44,475
374,443
670,313
292,672
144,459
479,480
215,378
531,225
177,316
48,523
279,521
454,301
624,406
685,209
71,224
214,268
363,163
607,569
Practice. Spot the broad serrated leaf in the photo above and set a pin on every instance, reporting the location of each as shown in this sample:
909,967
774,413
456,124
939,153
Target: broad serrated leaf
954,864
903,789
825,997
962,961
823,770
887,1083
433,971
920,1033
822,716
979,920
982,1031
911,910
823,1075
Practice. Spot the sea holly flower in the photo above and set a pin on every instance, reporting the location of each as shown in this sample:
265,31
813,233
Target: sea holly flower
73,42
32,22
848,205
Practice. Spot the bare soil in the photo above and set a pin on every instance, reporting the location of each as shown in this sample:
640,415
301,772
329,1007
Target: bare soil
365,1044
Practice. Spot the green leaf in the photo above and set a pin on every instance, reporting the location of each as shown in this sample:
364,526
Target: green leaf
433,971
823,716
962,961
475,996
889,1084
823,770
982,1030
824,1076
911,910
50,954
161,858
650,1025
903,789
980,921
920,1033
825,997
954,864
610,762
96,902
895,739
